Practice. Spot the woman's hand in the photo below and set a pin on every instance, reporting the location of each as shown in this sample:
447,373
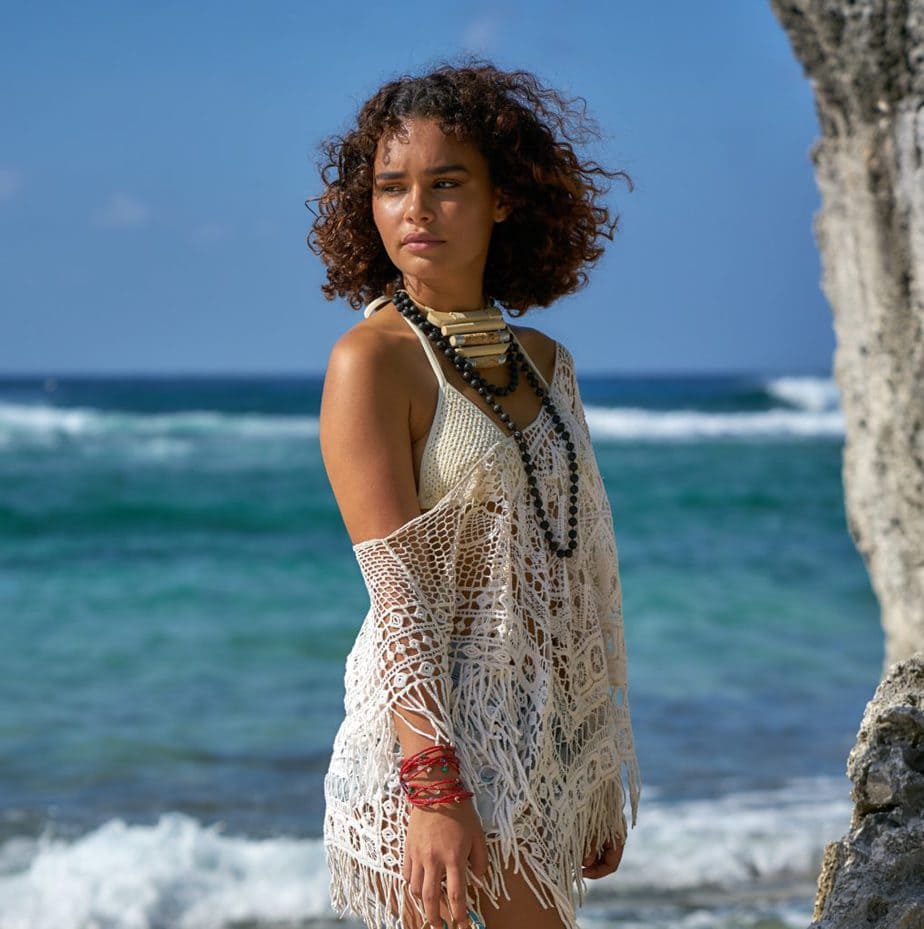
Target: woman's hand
607,862
442,841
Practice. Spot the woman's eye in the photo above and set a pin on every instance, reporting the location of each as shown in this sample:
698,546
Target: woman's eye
388,188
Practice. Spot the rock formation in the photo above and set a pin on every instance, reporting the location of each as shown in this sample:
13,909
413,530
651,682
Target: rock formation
865,61
874,876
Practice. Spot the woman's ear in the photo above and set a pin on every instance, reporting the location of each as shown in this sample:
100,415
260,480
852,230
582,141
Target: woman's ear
501,208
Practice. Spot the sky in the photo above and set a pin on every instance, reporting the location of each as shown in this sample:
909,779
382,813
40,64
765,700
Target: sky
155,159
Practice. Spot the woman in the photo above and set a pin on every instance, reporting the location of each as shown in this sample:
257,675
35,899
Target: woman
477,775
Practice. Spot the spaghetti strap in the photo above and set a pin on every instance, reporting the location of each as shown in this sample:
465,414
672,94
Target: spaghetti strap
535,367
375,304
428,348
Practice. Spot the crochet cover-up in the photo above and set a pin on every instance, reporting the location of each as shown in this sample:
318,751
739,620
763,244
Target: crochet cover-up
512,654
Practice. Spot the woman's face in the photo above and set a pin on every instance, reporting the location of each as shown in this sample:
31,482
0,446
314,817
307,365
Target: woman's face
432,184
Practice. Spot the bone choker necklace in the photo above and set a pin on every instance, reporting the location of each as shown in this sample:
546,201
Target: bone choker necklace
481,336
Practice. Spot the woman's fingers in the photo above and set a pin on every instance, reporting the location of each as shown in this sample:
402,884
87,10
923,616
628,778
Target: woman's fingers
608,861
407,869
415,882
416,885
455,894
614,854
478,857
431,894
589,856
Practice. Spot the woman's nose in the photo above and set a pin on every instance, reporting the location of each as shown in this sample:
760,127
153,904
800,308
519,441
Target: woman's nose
418,206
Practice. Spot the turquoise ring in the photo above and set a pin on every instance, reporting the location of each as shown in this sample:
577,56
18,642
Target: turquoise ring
474,921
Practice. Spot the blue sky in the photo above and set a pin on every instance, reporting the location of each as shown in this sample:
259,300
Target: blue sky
155,159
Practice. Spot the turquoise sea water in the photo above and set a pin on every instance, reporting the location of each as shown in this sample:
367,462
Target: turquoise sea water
178,595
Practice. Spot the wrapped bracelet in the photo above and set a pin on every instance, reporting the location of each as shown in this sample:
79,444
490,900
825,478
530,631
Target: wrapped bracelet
448,790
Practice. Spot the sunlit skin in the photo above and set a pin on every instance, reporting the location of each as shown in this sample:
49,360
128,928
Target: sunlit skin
429,182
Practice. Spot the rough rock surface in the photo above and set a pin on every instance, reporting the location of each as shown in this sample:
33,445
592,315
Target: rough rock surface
874,876
865,62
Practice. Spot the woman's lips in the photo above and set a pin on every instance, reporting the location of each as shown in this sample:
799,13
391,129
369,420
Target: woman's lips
420,246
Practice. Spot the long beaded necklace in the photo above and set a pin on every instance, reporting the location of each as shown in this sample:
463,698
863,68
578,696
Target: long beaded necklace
515,359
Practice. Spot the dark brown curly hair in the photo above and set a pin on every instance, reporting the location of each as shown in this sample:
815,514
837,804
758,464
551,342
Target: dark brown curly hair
524,131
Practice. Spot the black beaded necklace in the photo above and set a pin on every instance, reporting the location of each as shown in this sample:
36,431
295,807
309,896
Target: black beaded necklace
408,308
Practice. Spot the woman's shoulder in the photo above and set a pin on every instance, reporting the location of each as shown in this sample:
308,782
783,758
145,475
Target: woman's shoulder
385,342
381,356
381,338
542,348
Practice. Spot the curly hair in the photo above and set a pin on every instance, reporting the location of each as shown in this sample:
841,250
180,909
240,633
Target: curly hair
524,131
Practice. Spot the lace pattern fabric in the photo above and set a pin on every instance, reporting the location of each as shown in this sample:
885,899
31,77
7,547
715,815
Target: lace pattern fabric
514,655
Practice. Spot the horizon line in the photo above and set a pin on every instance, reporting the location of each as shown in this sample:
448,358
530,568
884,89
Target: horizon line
319,375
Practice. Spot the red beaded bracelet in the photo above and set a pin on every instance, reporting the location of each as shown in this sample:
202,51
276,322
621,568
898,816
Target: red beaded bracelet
443,755
448,790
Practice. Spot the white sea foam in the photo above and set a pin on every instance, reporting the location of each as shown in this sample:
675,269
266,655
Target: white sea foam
737,838
606,423
813,394
156,436
810,409
176,873
181,874
142,435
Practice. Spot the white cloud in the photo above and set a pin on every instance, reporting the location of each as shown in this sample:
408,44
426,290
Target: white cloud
10,183
482,32
122,211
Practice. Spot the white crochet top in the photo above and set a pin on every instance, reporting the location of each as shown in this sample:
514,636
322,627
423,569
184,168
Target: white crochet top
512,654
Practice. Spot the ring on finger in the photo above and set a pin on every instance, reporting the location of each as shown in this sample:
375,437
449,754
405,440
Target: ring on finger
472,921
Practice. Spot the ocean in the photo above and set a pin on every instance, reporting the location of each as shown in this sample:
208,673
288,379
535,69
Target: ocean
178,595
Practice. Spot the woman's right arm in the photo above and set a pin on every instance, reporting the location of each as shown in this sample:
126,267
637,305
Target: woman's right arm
366,446
365,435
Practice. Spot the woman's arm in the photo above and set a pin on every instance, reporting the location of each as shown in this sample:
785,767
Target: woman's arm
365,434
366,447
367,450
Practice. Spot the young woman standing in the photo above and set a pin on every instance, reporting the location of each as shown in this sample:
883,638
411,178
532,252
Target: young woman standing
477,775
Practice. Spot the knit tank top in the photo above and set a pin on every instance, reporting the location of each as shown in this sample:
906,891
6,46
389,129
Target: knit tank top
460,432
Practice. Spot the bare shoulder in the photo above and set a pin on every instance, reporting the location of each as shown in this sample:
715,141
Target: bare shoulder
365,380
376,351
539,346
365,433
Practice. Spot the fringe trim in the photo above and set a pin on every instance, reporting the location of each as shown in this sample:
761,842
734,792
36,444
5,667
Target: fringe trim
364,888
